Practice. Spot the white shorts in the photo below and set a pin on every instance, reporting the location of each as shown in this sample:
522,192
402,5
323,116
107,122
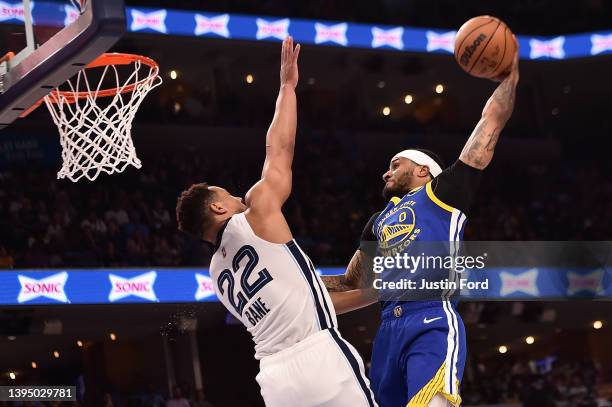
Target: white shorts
322,370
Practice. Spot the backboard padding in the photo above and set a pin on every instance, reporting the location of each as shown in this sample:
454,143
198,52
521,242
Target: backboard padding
95,31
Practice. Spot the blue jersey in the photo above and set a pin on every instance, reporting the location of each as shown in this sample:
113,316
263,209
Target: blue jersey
419,350
403,227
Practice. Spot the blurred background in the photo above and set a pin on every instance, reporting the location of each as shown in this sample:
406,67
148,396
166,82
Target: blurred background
550,180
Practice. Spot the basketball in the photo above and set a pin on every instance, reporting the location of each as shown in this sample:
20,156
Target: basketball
484,47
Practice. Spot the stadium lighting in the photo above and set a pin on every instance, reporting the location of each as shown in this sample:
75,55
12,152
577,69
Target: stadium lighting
12,375
34,365
503,349
439,88
311,81
12,338
112,336
249,79
529,340
597,324
173,74
56,354
386,111
381,84
177,107
80,344
408,99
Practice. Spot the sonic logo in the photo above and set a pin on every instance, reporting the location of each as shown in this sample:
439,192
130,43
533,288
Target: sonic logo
549,49
52,287
71,15
213,25
140,286
331,33
205,287
600,43
155,20
585,283
278,29
440,41
519,283
14,11
391,37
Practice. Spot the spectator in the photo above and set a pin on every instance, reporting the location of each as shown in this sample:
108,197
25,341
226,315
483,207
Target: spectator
177,399
6,260
95,224
200,400
108,400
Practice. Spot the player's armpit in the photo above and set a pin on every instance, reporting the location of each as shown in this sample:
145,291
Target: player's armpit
352,300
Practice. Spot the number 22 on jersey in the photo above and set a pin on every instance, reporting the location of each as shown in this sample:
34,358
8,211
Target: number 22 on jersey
238,298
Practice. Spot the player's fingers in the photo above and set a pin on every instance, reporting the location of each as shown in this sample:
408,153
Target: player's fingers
289,48
296,53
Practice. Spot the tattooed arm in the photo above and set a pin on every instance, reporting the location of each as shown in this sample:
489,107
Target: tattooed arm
478,151
353,289
356,275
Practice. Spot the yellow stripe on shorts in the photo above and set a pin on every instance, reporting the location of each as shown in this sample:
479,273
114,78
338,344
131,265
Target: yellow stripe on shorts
433,387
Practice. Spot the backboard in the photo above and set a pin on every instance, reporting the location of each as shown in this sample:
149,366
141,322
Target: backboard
52,54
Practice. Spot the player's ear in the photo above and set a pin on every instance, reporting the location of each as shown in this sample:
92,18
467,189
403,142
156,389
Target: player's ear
217,208
422,171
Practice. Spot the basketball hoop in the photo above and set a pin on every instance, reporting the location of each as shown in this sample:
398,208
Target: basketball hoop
95,123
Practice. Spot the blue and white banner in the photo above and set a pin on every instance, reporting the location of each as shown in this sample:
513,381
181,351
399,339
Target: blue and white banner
338,33
111,286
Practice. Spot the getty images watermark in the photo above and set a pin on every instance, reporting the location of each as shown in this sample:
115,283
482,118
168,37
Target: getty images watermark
427,272
494,270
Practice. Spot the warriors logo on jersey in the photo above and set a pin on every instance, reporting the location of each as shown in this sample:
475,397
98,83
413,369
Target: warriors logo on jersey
395,229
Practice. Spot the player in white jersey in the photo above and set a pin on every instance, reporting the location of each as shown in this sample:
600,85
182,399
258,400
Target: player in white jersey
266,281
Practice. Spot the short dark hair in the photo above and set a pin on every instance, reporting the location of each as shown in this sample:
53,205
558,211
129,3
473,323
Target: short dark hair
432,155
193,214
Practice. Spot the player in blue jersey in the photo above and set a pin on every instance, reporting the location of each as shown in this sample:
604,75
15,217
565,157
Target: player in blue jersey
419,351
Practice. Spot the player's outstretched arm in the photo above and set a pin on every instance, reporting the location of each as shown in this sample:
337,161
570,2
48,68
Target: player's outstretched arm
353,289
352,300
355,276
271,192
478,151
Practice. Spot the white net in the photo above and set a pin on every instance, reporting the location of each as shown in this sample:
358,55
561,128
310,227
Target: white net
95,127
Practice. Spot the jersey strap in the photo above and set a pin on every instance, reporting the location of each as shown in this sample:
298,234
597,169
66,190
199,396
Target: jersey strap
436,200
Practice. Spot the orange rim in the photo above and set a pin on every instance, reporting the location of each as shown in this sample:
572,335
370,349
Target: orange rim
7,56
106,59
109,59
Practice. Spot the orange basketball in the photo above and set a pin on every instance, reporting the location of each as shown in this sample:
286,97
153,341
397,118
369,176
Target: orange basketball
484,47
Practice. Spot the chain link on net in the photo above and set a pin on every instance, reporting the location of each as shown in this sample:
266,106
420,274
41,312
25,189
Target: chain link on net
96,139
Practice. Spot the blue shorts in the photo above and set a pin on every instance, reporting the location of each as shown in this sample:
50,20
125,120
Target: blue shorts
419,351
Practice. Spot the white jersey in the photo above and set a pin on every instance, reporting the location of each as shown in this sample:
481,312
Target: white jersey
272,288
